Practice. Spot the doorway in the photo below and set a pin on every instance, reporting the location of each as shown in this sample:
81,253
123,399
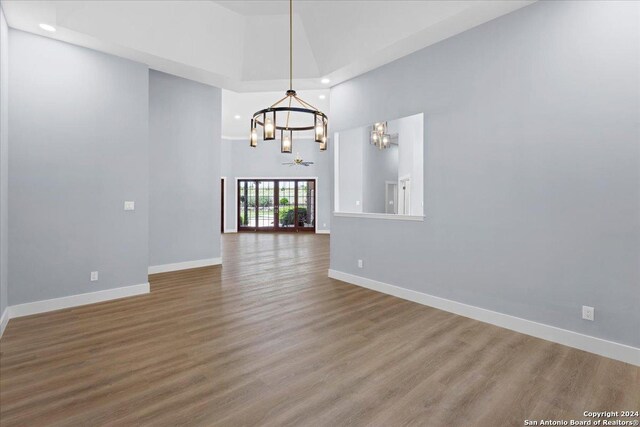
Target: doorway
391,197
277,205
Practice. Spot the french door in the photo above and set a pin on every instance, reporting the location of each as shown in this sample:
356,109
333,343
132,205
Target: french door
277,205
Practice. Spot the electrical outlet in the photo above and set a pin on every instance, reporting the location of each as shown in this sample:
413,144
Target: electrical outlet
129,205
357,202
94,276
588,312
360,263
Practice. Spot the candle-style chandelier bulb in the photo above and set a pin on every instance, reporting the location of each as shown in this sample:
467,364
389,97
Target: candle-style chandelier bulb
323,144
285,142
253,140
269,129
385,141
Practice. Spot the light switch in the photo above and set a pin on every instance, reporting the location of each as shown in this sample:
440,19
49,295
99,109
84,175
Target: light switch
129,205
357,202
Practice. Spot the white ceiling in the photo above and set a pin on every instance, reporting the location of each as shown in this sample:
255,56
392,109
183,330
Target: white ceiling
242,46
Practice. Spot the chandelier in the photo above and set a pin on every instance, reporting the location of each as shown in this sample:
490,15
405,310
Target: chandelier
279,116
379,136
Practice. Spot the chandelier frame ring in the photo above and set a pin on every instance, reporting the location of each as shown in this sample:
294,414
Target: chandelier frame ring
257,120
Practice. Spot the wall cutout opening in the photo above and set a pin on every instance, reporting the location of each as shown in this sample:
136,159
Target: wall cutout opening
379,168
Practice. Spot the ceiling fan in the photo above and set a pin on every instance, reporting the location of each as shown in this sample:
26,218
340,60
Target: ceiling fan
297,161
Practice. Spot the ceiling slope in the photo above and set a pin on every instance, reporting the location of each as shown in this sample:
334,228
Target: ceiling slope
243,45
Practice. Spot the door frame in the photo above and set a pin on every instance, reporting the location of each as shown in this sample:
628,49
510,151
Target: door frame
223,212
402,181
272,178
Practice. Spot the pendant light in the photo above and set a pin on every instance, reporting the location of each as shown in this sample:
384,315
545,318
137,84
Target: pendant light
379,136
277,117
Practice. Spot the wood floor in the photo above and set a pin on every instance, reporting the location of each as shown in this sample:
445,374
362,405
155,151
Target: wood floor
269,340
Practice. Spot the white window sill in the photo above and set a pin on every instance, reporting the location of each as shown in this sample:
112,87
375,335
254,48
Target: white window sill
380,216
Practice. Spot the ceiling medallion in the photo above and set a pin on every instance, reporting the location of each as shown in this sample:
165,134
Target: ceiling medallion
277,117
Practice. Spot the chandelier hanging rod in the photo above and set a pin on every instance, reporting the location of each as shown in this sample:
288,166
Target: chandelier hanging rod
268,118
291,45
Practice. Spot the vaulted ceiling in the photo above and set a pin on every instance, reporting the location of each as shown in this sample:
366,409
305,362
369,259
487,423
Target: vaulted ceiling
243,45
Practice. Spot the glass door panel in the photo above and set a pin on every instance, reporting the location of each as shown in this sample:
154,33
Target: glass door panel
266,204
246,204
306,204
286,204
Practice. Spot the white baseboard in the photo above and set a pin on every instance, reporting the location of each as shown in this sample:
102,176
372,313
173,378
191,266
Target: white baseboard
588,343
231,230
165,268
323,231
4,319
76,300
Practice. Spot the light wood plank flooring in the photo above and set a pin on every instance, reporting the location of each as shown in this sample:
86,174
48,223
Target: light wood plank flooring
269,340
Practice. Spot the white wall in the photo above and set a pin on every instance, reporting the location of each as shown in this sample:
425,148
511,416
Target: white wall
410,157
378,167
532,168
184,201
265,161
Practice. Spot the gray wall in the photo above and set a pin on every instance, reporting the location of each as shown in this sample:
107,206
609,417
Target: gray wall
4,163
378,167
531,171
351,146
78,123
184,201
265,161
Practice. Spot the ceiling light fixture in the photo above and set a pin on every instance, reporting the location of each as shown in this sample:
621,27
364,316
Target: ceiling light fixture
325,81
268,117
48,27
237,117
379,136
322,96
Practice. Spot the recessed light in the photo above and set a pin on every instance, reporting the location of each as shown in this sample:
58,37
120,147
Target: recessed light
322,96
237,117
48,27
325,81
